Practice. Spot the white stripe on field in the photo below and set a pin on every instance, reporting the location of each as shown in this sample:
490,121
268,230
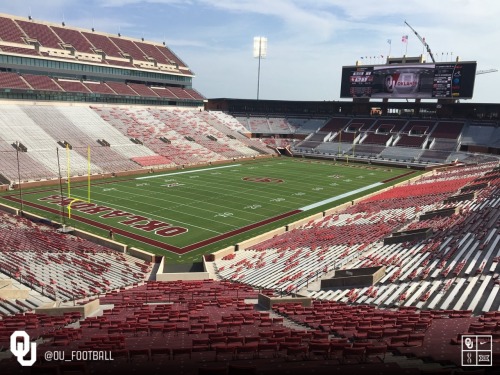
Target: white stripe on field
183,172
333,199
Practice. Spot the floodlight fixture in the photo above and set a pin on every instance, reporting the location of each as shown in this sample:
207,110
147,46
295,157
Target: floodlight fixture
260,47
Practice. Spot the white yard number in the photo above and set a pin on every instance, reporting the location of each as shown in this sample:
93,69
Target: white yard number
224,214
253,207
277,200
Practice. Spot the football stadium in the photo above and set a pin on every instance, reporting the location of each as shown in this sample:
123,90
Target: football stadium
145,228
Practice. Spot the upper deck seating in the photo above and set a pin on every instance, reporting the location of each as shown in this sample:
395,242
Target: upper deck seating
10,31
74,38
40,32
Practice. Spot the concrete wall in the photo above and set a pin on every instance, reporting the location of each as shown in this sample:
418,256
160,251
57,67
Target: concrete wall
268,302
56,310
445,212
223,252
467,189
5,283
8,209
140,254
161,267
461,198
409,236
100,240
339,208
169,276
360,277
300,222
182,276
252,241
6,293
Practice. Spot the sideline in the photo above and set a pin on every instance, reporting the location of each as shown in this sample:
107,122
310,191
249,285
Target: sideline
333,199
183,172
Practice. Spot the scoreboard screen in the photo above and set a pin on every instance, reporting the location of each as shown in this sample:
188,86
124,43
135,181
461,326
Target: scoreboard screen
409,81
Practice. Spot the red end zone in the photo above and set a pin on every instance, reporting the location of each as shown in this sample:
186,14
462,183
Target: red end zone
150,241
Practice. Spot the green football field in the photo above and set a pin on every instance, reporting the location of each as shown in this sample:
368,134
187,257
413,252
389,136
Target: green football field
188,212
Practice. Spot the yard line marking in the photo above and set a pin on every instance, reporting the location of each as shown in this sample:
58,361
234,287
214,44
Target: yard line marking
193,203
184,172
131,192
336,198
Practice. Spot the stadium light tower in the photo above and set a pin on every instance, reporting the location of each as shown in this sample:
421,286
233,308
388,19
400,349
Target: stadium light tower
260,52
19,177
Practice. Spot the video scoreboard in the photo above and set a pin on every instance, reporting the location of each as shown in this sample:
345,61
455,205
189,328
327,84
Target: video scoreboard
409,81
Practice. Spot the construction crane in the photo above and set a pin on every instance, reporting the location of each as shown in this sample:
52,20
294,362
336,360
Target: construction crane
485,71
423,42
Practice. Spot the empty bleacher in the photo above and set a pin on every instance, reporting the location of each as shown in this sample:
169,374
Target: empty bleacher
214,327
411,141
352,238
345,137
401,153
435,156
29,37
73,38
122,89
335,124
99,88
155,52
10,31
396,140
368,150
176,125
389,125
42,33
12,81
448,129
481,134
306,126
61,266
42,83
73,86
81,127
377,139
312,141
103,43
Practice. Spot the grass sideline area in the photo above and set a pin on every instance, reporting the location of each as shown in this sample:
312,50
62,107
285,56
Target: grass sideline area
183,214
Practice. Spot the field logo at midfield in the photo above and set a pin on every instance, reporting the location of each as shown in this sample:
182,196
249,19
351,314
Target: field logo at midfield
173,184
160,228
268,180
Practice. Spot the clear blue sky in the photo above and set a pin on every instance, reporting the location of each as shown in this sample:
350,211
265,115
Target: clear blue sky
309,40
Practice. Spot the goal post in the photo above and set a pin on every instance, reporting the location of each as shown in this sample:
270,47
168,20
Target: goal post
68,170
88,174
70,203
68,157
